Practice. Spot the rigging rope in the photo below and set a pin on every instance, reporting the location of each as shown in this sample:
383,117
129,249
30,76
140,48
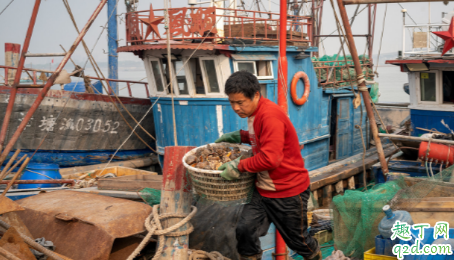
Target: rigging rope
6,7
69,96
381,40
96,69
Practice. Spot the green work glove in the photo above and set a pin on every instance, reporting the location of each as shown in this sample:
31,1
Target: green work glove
230,170
233,137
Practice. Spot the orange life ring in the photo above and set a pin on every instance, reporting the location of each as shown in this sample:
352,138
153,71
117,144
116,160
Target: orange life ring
307,88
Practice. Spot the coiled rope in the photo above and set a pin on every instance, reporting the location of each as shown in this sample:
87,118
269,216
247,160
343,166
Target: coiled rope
154,227
361,79
214,255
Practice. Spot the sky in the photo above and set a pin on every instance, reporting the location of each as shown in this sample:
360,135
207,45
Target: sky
54,27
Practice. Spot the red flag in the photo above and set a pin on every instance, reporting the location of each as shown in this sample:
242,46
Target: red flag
52,60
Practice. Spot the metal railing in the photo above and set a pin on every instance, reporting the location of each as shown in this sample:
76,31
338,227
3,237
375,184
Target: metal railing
336,73
215,25
36,82
423,41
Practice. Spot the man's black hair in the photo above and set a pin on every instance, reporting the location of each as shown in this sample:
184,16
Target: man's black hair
242,82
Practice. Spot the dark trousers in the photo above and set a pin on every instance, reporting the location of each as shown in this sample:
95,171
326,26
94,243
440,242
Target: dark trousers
289,215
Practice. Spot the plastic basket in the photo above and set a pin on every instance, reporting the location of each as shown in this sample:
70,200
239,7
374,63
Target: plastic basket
210,184
370,255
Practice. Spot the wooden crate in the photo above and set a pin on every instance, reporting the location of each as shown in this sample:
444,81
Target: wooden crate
131,182
323,236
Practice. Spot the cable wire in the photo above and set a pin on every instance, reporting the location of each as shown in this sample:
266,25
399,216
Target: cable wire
6,7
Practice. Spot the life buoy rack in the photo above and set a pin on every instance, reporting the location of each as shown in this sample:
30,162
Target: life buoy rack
307,88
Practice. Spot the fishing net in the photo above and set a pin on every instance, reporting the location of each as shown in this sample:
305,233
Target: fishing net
426,192
356,216
338,70
151,196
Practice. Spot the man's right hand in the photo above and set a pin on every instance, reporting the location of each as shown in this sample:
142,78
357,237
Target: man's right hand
233,137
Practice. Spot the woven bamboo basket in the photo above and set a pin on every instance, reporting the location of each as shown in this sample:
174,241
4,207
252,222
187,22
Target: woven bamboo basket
209,183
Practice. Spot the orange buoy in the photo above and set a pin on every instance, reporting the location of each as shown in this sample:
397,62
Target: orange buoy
307,88
439,153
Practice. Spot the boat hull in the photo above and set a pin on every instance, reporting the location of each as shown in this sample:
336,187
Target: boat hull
73,129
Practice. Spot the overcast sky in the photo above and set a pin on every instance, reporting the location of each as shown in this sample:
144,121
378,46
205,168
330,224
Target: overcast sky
54,27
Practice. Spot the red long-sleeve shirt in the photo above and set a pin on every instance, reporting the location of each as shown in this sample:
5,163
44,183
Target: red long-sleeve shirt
277,157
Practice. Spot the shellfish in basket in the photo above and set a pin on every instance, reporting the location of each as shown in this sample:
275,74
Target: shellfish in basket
212,157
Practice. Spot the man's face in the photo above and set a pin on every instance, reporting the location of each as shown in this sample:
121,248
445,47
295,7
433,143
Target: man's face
242,105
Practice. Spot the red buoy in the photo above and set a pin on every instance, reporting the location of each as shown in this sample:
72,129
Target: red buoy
438,153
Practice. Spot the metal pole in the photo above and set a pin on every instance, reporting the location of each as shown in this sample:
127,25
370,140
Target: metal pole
362,85
282,68
49,83
12,97
113,43
403,32
282,82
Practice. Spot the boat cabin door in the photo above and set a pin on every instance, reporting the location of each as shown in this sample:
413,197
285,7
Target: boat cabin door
345,138
343,130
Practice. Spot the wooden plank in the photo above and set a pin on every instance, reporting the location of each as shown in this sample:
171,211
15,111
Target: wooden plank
336,175
315,193
131,183
75,172
327,195
339,187
343,163
414,138
351,183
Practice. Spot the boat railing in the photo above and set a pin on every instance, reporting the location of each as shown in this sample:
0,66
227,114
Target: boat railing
337,73
422,40
36,78
215,25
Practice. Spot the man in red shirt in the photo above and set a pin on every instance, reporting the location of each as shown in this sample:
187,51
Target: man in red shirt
282,185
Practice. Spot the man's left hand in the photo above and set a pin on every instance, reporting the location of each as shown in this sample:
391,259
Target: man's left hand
230,170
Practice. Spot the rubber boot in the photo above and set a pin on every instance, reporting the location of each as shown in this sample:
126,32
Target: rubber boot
252,257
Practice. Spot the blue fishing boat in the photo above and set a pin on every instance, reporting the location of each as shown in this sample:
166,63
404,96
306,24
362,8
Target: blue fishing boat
202,62
186,75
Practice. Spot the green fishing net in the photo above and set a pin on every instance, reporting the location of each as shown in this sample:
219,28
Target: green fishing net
440,185
339,71
151,196
356,216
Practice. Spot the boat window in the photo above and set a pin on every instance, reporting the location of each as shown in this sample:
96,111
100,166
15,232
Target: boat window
448,87
157,74
197,76
212,78
428,86
262,69
178,67
248,66
166,75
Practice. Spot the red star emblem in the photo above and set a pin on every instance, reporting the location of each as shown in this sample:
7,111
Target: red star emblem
152,23
448,36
